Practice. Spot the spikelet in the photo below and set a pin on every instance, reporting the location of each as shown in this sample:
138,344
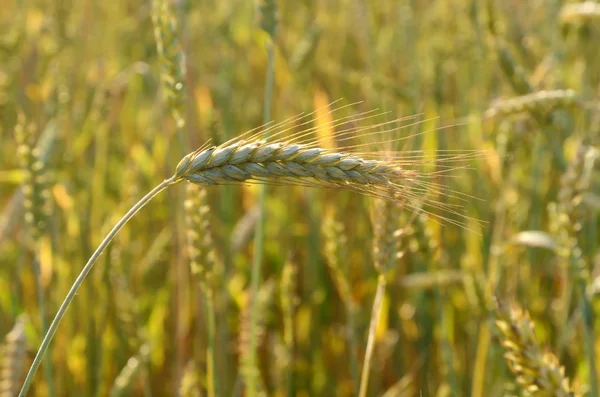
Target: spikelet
538,372
541,101
587,11
172,59
35,190
130,372
248,369
13,355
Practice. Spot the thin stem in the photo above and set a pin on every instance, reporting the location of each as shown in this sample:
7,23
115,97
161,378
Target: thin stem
43,324
259,233
352,342
375,315
589,340
212,386
84,272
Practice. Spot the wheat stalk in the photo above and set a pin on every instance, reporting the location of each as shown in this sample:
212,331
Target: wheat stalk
206,269
297,160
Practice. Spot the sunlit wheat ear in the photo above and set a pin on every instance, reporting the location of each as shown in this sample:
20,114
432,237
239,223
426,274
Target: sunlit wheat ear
538,372
294,158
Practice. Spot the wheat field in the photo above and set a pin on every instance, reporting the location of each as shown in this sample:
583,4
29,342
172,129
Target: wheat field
311,198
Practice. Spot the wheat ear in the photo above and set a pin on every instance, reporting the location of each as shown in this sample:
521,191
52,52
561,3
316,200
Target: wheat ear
13,355
538,372
260,160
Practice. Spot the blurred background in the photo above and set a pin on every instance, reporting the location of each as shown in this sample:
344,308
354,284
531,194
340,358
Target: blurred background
91,118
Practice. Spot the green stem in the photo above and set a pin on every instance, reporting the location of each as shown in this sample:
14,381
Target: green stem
212,386
375,315
42,308
590,341
84,272
352,310
259,233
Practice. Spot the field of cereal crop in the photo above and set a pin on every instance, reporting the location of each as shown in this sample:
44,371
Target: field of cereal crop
353,198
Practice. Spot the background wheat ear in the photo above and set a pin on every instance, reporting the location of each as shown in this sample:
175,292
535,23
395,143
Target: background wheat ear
13,357
536,371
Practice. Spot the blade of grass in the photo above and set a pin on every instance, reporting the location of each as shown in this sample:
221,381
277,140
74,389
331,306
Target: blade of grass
364,379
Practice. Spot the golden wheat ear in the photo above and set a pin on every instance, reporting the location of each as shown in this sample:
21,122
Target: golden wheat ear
293,155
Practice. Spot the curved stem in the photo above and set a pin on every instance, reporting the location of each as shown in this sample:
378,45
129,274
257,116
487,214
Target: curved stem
375,316
84,272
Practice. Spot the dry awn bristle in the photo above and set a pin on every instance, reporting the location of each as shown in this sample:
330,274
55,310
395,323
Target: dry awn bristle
297,159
